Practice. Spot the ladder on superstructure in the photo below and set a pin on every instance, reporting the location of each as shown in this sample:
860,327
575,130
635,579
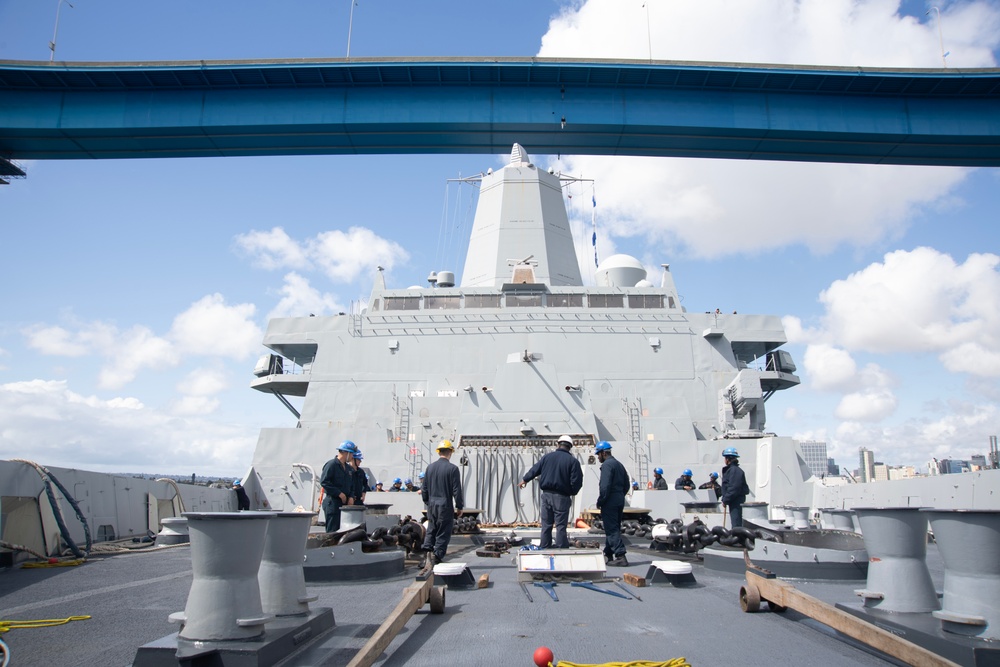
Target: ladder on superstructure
639,454
413,456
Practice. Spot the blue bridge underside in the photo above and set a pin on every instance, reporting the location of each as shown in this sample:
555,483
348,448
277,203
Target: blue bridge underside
134,110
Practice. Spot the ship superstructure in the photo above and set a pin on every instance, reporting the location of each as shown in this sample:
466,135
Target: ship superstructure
517,353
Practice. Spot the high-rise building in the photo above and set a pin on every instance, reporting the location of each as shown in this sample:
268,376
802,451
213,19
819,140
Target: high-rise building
880,472
978,460
814,454
832,468
867,465
933,469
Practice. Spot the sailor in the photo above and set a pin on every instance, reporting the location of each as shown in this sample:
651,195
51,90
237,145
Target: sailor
734,486
442,493
409,485
713,483
659,484
560,477
242,499
611,501
635,485
397,485
420,479
684,482
338,484
378,487
360,480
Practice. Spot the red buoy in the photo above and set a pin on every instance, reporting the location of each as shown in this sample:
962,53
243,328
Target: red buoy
543,656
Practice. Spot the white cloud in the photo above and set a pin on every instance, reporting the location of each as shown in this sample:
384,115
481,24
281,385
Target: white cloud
341,256
203,382
272,249
829,367
210,327
136,349
867,406
55,425
920,301
695,205
195,405
299,298
958,432
828,32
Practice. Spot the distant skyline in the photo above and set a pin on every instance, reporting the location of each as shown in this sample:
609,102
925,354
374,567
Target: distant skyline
136,292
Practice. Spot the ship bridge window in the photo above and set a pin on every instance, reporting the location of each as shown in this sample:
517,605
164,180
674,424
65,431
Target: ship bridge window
565,301
523,300
402,303
607,300
482,300
670,302
645,301
442,302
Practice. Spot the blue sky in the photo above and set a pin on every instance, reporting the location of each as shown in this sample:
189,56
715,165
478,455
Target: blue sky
136,292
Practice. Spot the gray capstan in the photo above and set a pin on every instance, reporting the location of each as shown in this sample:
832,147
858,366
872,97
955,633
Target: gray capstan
281,578
224,601
898,578
970,548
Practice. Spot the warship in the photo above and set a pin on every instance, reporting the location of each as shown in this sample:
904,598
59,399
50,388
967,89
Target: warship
517,353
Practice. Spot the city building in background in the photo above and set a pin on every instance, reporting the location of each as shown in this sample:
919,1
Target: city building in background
814,453
866,470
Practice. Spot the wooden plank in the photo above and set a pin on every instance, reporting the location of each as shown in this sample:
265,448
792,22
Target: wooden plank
415,596
484,580
634,579
786,595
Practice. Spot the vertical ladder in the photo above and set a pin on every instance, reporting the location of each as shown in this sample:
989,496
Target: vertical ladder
640,454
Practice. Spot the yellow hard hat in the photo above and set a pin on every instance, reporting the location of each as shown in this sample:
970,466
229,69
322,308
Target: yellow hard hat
445,444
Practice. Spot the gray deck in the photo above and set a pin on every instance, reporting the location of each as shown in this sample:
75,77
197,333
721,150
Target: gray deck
130,596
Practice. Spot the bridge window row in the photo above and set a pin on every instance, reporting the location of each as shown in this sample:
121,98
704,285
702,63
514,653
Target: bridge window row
522,300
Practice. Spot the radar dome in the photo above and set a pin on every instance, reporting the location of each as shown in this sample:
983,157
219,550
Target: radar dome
644,283
620,271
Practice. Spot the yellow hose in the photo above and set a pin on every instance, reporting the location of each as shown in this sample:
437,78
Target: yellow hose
40,623
675,662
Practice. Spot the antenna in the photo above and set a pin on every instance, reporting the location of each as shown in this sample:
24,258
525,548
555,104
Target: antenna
944,55
52,44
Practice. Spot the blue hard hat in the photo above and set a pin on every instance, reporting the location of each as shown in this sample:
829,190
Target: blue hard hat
658,471
635,485
348,446
603,446
358,455
714,475
377,483
687,472
237,482
397,481
421,475
407,481
731,451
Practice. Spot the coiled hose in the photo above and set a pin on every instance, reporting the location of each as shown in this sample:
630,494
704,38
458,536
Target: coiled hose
47,480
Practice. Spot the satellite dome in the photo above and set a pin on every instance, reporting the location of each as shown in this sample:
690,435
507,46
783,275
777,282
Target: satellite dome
644,283
620,271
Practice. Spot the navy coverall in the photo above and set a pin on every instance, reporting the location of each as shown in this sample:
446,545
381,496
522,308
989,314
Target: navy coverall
611,502
734,491
560,477
442,493
337,478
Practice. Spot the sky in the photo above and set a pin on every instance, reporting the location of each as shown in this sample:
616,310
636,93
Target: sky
135,293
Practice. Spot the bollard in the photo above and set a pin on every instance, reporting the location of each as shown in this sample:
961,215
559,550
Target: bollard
351,517
898,578
842,520
281,577
224,601
969,542
174,530
800,517
756,512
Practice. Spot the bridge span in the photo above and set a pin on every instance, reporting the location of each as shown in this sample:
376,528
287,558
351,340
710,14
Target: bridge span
483,105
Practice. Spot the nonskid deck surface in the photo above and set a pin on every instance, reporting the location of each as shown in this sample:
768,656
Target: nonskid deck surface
129,598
